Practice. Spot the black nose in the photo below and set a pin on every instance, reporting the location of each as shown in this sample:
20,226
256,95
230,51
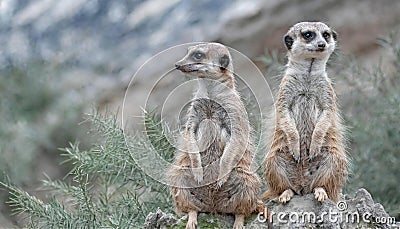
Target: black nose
321,44
177,65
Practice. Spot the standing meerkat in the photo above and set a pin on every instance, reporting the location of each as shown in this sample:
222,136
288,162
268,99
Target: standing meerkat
307,152
211,172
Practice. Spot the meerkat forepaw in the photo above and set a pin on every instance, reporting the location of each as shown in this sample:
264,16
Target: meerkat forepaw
320,194
286,196
198,174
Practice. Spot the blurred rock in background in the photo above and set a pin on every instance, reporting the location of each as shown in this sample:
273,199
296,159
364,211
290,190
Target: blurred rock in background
102,43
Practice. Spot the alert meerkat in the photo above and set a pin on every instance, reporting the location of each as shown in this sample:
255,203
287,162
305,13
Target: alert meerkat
307,152
211,172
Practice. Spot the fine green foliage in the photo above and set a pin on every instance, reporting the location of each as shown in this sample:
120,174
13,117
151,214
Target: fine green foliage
158,136
373,116
108,188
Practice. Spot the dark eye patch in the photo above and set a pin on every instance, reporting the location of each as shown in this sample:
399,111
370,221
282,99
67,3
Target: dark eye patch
326,35
308,35
198,56
224,62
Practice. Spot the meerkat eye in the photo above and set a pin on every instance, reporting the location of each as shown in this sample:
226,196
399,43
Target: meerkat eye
326,35
198,56
308,35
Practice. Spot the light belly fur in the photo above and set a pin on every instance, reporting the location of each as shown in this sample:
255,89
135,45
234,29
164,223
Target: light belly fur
305,112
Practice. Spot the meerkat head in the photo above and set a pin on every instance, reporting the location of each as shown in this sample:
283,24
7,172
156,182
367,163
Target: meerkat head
208,60
310,40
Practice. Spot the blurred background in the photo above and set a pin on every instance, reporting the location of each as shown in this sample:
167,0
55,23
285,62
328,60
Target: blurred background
59,59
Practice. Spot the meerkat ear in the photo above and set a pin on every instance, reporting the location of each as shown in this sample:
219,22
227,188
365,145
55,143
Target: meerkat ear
223,62
334,35
288,41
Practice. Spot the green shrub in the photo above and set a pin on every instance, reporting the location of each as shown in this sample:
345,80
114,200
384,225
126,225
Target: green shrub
108,188
372,113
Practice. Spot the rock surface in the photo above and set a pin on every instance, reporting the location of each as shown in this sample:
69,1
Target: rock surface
159,219
353,211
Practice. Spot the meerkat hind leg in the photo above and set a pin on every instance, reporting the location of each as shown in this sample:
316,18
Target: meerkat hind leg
192,220
239,222
286,196
320,194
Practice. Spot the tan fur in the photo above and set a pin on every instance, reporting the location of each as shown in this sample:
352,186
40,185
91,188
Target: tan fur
212,172
307,152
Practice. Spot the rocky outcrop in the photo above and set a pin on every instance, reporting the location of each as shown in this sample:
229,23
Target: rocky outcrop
159,219
353,211
358,211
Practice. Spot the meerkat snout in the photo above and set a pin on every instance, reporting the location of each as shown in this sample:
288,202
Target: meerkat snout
210,60
321,44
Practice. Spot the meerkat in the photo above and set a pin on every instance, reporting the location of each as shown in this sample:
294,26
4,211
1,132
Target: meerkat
307,152
211,172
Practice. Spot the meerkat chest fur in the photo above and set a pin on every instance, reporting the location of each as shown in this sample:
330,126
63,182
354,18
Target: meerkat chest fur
307,91
209,119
